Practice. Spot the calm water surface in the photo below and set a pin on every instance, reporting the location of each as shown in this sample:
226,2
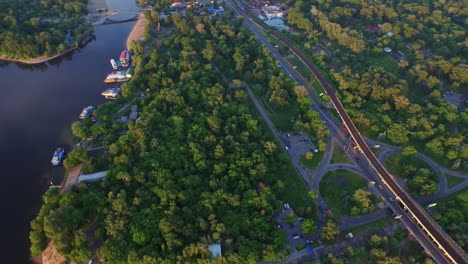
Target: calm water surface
37,106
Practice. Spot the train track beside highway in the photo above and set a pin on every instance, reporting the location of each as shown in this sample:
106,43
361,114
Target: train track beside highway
436,242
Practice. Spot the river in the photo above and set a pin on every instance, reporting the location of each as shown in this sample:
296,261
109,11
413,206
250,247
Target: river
37,107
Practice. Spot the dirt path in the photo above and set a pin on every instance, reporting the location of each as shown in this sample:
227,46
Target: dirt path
137,31
71,179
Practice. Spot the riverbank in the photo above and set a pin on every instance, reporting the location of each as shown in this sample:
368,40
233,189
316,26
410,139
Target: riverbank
137,31
37,60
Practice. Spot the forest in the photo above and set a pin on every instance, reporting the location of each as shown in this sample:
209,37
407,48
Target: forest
452,214
30,29
199,167
395,95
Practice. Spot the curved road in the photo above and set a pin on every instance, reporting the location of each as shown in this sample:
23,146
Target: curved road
430,235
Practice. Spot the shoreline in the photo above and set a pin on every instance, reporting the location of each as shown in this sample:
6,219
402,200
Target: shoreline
37,60
137,31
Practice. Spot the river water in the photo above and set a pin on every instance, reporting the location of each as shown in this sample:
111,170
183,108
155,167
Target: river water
37,106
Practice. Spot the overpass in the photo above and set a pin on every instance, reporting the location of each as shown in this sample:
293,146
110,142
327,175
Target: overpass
430,235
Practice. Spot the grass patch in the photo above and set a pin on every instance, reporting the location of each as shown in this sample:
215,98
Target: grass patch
301,68
339,156
379,224
296,193
314,162
397,163
318,87
337,188
377,151
386,62
452,180
281,119
412,248
449,197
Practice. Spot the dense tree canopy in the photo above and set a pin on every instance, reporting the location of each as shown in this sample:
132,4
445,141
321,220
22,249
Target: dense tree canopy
33,28
397,94
198,168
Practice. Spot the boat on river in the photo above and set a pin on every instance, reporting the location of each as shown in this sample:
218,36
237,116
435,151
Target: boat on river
58,156
110,80
115,64
87,111
124,58
111,93
117,76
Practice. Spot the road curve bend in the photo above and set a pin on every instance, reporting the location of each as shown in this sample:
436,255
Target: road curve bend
443,244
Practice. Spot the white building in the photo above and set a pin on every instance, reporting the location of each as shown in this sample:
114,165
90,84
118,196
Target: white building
272,12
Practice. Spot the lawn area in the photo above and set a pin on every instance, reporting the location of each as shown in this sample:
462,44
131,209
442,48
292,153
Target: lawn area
314,162
449,197
452,180
339,156
386,62
281,119
296,192
318,88
396,165
337,188
301,67
379,224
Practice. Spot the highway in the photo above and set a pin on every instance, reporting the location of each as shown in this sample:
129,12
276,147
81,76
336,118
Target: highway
429,234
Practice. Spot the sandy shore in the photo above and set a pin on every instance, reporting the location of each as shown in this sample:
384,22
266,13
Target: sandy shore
137,31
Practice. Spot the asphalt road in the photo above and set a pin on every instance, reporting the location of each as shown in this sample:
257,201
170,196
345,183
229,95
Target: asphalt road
430,235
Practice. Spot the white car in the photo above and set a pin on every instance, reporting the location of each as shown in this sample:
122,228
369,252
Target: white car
286,206
296,237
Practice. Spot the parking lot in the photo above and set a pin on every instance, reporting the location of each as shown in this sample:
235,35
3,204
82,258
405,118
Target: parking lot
298,144
292,229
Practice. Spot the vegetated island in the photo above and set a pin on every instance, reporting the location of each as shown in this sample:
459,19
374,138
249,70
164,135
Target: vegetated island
36,31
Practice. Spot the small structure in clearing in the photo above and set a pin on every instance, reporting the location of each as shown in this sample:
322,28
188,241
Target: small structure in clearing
215,250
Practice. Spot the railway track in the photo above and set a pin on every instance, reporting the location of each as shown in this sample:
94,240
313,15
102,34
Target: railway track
440,240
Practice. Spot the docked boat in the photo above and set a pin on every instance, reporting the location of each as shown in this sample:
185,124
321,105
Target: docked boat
87,111
115,64
129,73
111,93
58,157
116,75
124,58
123,80
110,80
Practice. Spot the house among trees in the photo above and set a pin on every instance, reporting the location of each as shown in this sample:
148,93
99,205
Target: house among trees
374,28
272,12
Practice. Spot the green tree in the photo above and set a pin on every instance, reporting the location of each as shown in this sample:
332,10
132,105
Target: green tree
330,230
308,226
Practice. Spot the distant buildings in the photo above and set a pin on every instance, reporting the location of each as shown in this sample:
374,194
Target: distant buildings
271,12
